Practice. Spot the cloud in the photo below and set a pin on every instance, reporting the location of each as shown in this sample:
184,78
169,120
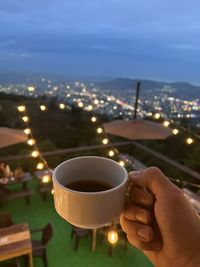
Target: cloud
116,33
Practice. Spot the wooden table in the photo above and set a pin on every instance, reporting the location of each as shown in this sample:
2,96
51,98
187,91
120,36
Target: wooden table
24,179
15,241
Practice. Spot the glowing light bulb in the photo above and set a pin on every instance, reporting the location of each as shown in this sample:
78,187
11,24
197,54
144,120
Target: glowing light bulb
175,131
31,142
27,131
99,130
189,140
21,108
121,162
25,118
46,179
52,191
80,104
96,101
93,119
62,106
89,108
113,237
111,153
166,123
35,154
40,166
105,141
43,107
31,89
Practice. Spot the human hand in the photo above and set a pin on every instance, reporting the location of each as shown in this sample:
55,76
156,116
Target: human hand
160,221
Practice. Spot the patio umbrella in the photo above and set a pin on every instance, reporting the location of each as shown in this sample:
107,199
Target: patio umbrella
10,137
137,129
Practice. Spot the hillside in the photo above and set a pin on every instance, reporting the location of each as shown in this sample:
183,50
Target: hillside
180,88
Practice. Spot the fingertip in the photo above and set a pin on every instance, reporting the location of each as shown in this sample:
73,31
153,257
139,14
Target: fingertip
134,174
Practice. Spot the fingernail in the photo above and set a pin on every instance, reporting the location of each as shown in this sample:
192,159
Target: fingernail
143,234
134,174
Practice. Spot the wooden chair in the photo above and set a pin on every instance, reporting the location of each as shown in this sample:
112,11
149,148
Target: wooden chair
79,233
6,194
5,219
39,246
16,263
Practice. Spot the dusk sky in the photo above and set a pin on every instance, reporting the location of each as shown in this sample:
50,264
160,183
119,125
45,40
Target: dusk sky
150,39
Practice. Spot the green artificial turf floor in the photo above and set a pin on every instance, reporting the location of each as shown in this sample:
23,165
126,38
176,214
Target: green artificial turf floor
60,249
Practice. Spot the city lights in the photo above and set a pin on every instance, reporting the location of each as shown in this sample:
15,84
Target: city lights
96,101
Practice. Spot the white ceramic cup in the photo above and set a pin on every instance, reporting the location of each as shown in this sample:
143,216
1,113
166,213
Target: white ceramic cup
89,209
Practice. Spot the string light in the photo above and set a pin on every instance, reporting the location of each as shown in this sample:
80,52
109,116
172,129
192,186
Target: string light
89,108
35,154
121,162
93,119
157,116
62,106
175,131
96,101
189,140
166,123
80,104
27,131
112,237
40,166
52,191
46,179
31,89
31,142
99,130
43,107
21,108
111,153
25,118
105,141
